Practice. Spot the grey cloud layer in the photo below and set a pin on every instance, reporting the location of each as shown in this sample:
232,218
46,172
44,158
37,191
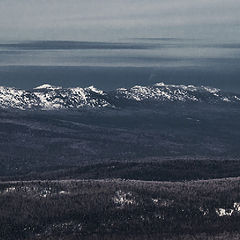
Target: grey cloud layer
94,19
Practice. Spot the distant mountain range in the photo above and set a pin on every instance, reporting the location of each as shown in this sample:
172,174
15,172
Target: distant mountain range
47,97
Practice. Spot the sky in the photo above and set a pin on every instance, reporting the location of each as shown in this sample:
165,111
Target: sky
92,20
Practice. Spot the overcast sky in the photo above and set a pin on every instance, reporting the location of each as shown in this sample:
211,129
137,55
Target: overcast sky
118,19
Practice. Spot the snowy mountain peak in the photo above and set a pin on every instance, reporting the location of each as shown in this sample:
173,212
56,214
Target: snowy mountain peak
93,89
46,86
188,87
163,92
48,97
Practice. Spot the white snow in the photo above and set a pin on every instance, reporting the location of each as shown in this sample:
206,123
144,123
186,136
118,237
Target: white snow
124,198
162,202
47,86
204,211
236,206
160,216
10,190
64,193
221,212
164,92
161,84
93,89
48,97
211,90
237,98
225,99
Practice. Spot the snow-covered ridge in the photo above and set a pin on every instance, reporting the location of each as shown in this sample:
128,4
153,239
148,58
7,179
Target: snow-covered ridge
47,97
47,86
163,92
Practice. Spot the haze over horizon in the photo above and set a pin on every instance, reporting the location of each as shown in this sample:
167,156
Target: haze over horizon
113,20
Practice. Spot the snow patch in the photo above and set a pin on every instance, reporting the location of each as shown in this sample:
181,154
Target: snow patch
225,99
162,202
47,86
10,190
236,206
237,98
93,89
204,211
159,216
63,193
221,212
123,199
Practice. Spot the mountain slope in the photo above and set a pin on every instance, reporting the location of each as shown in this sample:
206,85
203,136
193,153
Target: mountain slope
47,97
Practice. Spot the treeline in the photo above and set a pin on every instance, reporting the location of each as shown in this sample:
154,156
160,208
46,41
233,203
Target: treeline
93,209
221,236
152,170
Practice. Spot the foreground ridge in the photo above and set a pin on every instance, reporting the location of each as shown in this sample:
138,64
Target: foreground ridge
48,97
